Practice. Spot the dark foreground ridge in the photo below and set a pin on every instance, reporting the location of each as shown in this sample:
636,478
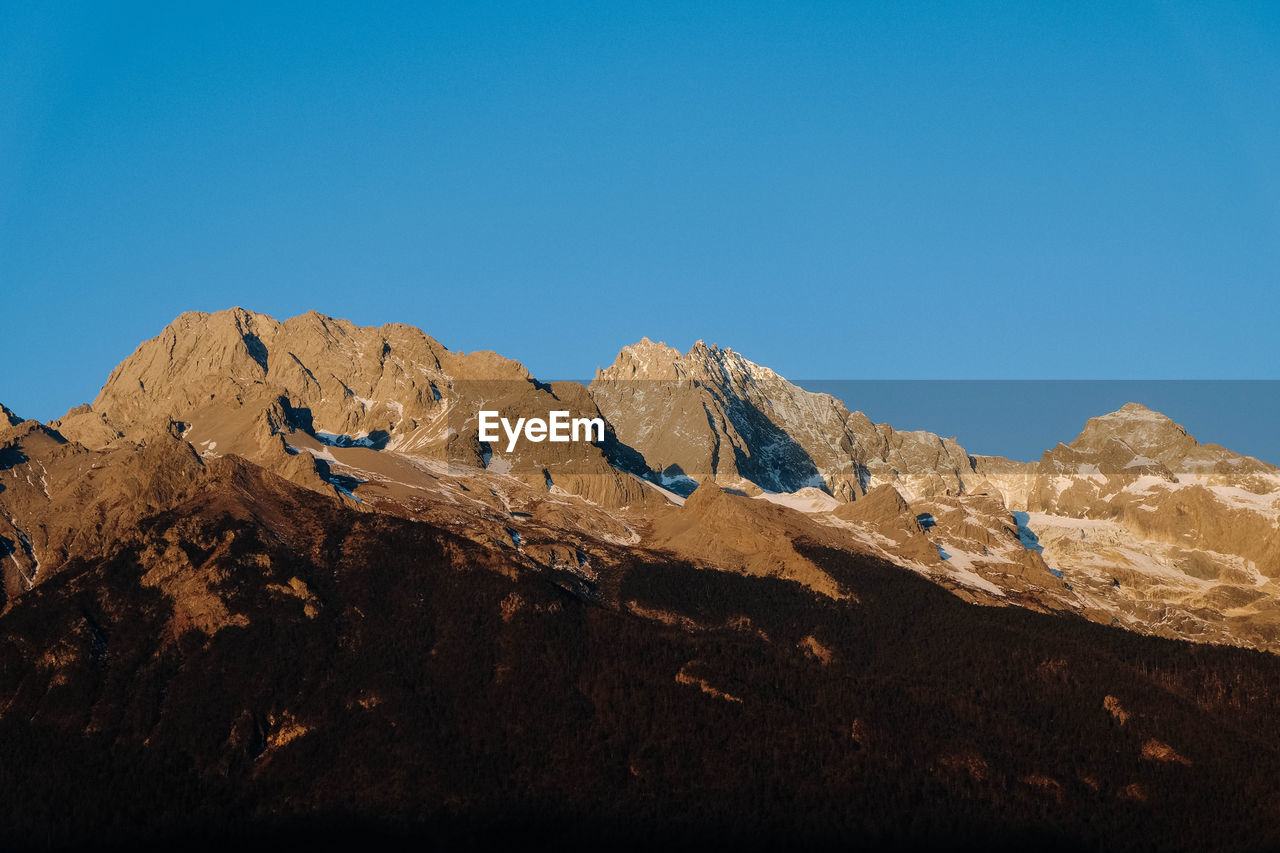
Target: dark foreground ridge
390,682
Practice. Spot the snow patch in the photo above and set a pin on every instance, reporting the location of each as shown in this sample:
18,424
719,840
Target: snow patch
808,500
959,567
335,440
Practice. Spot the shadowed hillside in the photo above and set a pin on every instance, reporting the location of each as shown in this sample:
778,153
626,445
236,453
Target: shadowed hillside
391,680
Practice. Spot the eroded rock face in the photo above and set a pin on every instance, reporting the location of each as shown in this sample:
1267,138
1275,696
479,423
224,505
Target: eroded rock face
240,382
711,414
385,384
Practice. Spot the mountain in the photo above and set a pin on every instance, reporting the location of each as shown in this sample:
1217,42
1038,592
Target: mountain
1133,523
273,578
1174,536
255,660
713,414
244,383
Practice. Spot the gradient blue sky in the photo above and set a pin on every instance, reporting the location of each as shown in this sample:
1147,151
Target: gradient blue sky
839,190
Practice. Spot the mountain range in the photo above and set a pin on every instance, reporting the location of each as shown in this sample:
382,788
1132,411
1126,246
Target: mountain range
273,579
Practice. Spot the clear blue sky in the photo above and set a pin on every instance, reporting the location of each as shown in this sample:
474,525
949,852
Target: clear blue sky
838,190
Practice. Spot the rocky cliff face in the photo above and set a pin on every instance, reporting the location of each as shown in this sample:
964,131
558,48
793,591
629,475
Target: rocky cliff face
244,383
713,414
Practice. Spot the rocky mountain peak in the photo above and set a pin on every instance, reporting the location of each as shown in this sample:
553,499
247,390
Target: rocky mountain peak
642,360
711,364
350,378
716,365
1132,419
1137,410
1135,430
733,421
7,417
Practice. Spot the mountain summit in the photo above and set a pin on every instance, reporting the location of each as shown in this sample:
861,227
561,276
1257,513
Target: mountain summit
1134,435
712,413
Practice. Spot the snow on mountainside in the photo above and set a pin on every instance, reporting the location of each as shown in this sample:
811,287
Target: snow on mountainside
1134,522
1181,537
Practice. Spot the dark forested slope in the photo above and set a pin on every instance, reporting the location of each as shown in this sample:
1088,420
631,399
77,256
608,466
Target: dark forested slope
260,663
